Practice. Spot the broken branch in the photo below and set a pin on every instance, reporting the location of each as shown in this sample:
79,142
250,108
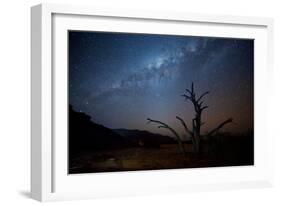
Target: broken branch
202,95
184,125
163,125
220,126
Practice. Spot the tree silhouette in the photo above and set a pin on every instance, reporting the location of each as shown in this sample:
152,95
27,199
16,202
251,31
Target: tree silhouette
195,133
163,125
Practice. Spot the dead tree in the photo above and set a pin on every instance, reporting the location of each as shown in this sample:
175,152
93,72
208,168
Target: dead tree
195,133
199,107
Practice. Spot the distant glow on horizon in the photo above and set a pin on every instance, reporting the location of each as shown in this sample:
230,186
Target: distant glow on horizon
122,79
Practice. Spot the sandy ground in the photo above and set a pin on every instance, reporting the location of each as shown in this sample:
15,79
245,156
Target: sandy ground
141,158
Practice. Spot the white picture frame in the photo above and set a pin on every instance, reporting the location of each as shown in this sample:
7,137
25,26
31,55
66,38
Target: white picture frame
49,179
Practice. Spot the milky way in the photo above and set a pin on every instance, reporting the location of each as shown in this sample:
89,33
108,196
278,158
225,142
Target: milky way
122,79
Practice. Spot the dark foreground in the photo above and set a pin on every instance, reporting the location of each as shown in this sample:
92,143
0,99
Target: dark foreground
96,148
221,151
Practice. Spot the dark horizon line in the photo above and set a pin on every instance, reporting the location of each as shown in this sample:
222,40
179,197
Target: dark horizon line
249,130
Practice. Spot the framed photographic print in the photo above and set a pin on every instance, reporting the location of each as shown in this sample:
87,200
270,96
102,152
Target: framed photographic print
133,102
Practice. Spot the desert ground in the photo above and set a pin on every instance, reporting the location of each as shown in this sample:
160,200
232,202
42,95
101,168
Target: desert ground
234,151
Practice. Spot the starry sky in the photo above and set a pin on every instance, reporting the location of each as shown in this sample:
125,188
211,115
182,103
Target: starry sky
121,79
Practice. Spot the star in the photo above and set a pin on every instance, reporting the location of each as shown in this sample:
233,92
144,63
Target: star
112,72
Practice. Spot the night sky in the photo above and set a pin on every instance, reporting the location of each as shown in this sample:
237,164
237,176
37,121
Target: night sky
121,79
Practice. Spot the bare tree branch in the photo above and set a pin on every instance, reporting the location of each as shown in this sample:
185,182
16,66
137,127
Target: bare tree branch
220,126
189,91
186,97
195,132
163,125
202,95
184,125
205,107
199,108
187,130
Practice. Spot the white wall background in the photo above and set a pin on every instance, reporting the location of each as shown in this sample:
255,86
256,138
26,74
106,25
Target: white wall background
15,102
